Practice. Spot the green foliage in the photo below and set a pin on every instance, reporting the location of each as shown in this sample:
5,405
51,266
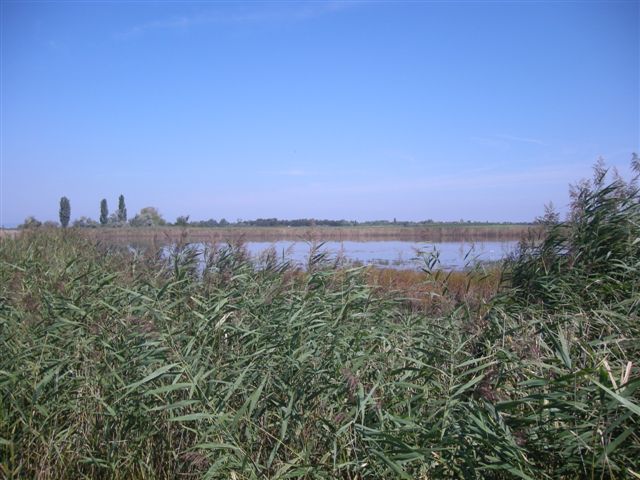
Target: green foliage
550,217
65,212
104,212
122,209
85,222
585,261
148,217
30,222
121,364
182,220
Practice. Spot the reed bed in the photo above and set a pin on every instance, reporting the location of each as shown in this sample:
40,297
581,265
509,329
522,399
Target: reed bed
426,233
8,232
126,364
437,292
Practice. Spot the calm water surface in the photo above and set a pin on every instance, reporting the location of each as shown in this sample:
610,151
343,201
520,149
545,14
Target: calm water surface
390,254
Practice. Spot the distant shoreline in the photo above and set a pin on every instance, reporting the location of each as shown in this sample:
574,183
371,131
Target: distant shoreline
423,233
430,233
9,232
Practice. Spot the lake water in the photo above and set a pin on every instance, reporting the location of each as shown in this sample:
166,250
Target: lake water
390,254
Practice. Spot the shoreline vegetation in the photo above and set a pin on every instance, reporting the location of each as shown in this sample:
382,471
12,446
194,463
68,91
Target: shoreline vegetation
434,233
425,233
118,363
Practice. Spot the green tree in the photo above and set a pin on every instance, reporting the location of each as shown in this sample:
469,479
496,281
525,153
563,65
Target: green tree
182,220
30,222
122,209
148,217
104,212
65,212
85,222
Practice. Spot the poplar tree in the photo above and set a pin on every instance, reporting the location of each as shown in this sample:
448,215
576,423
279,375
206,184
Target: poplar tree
104,212
122,209
65,212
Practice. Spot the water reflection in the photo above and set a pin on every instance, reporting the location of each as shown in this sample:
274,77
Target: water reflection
390,254
400,255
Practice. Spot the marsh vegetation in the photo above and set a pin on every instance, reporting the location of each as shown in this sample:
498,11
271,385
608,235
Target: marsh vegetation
121,364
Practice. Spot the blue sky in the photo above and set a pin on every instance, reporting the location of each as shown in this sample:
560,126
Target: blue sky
366,110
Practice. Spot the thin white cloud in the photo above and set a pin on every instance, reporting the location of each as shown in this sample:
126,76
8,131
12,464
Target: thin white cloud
504,142
466,180
298,12
491,142
173,23
523,139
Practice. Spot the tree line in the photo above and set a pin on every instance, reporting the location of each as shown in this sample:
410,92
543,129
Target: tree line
117,218
151,217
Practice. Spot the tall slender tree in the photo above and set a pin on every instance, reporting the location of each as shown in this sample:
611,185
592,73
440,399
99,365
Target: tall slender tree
65,212
122,209
104,212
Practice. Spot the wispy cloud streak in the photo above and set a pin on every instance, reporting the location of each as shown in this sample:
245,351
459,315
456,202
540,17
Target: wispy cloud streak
267,15
504,142
463,181
522,139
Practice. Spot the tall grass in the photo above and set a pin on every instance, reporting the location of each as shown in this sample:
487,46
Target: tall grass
120,364
426,233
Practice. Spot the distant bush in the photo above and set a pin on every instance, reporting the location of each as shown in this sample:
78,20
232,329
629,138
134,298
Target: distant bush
148,217
182,221
313,222
85,222
114,221
204,223
30,222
